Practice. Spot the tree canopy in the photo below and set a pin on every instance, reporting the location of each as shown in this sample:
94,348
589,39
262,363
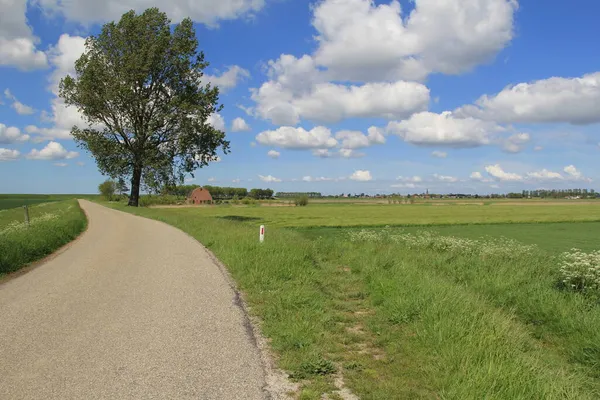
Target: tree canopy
139,87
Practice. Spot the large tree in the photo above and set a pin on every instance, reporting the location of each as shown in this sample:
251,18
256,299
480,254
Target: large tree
139,88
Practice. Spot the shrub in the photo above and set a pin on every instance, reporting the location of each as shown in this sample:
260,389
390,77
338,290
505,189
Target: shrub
302,201
151,200
580,271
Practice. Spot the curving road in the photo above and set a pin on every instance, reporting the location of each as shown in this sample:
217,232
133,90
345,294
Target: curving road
134,309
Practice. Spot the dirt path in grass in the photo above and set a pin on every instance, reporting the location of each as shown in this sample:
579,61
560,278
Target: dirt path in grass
134,309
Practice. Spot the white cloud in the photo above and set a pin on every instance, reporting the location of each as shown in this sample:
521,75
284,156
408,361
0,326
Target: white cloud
228,79
497,172
52,151
361,176
375,135
404,185
431,129
412,179
238,180
328,102
544,175
20,108
239,125
515,143
476,176
80,163
552,100
574,174
349,153
17,42
11,134
341,153
359,40
273,154
439,154
297,138
316,179
445,178
269,178
216,121
352,139
89,12
212,179
61,164
538,148
9,154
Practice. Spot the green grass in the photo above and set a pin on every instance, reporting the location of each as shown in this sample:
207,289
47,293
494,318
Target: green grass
319,215
18,200
53,225
402,322
553,237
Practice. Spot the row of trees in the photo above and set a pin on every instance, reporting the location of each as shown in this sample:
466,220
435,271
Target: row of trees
556,193
220,192
298,194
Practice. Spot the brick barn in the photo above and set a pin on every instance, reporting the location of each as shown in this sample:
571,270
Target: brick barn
200,196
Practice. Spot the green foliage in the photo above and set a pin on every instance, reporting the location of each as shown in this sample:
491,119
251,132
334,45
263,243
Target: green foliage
107,189
139,87
317,366
302,201
52,225
260,194
163,200
122,186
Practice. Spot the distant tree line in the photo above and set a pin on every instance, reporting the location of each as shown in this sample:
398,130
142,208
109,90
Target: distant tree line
556,193
220,193
298,194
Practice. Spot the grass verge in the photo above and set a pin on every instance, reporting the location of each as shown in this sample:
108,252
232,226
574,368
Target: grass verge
52,226
409,319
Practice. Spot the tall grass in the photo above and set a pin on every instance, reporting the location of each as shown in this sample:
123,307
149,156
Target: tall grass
52,225
412,317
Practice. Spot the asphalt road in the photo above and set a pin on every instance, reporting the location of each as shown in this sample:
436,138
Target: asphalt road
134,309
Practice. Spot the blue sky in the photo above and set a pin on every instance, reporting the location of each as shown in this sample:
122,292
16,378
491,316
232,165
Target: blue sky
338,96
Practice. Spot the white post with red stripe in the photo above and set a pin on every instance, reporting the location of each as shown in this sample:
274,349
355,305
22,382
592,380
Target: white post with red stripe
261,235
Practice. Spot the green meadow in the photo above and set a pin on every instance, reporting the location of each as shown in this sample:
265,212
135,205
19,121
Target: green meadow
414,301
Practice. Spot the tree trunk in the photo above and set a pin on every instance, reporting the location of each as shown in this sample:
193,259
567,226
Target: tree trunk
135,186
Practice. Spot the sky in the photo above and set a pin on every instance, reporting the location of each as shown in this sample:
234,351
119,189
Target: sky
337,96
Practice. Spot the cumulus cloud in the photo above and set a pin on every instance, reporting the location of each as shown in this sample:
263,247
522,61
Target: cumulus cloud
497,172
361,176
574,174
209,12
20,108
552,100
445,178
52,151
476,176
284,102
11,134
431,129
216,121
515,143
228,79
439,154
545,175
297,138
405,185
360,40
9,154
273,154
411,179
239,125
17,42
269,178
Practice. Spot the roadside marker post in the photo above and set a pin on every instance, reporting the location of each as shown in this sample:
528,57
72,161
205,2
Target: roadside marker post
261,234
26,210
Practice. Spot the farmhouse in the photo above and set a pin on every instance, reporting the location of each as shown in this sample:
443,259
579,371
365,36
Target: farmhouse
200,196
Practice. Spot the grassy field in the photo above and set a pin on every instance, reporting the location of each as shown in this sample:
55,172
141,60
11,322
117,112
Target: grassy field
408,314
52,225
339,215
18,200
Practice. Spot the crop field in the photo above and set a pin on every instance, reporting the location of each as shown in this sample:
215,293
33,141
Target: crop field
18,200
418,301
52,225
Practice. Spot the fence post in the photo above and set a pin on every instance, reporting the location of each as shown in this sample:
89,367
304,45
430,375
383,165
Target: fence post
261,235
26,210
